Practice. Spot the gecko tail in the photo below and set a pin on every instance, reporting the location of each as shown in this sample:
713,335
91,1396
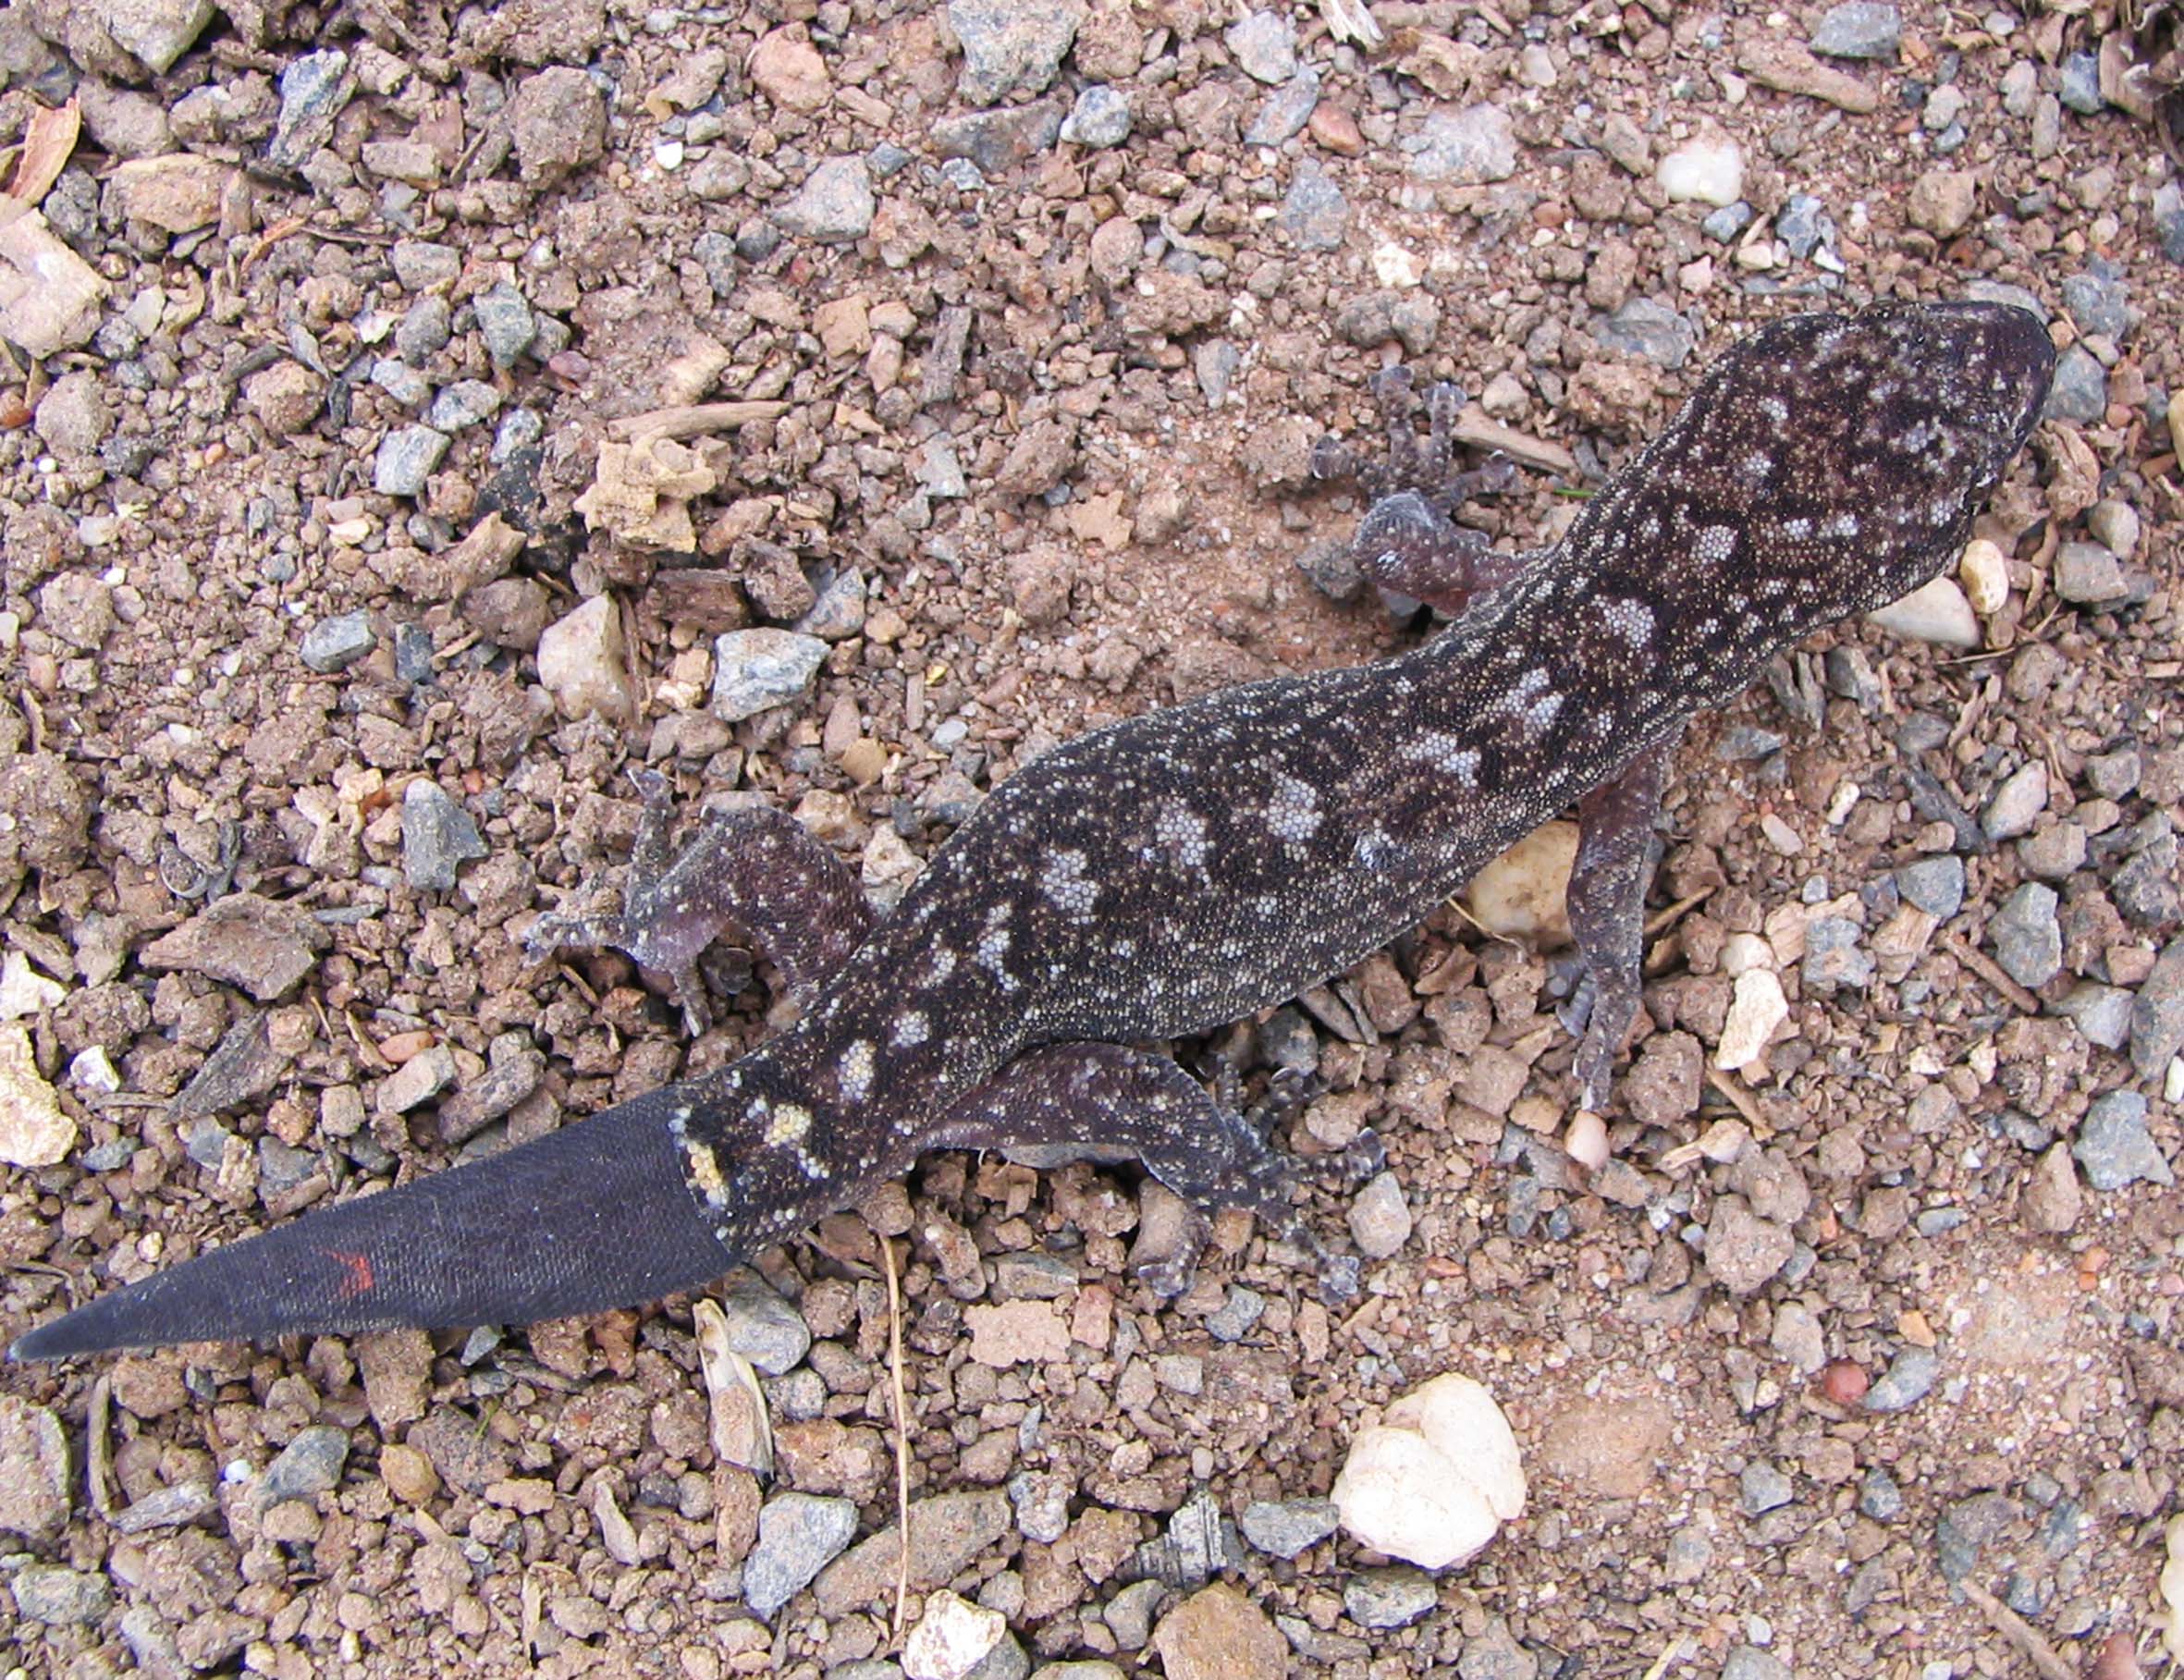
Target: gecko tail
594,1217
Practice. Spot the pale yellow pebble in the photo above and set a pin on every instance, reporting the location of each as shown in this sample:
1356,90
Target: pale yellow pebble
1985,576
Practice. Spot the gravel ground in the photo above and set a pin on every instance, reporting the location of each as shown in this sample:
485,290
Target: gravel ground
418,418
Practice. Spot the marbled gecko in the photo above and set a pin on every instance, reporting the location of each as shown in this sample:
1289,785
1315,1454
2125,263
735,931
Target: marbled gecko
1181,869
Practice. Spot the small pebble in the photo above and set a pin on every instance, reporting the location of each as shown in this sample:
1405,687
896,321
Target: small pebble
1906,1382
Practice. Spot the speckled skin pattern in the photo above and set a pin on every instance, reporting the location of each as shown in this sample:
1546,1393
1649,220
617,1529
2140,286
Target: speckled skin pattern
1189,866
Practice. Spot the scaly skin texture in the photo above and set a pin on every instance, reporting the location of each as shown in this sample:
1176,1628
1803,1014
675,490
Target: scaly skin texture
1187,867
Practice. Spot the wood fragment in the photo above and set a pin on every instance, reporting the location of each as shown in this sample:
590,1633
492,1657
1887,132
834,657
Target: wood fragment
902,1615
1990,972
2019,1632
692,420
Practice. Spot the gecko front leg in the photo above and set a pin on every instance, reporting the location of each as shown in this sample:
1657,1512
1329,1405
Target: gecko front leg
751,873
1112,1096
1408,543
1607,906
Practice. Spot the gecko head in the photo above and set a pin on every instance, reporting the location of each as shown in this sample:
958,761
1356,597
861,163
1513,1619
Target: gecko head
1829,464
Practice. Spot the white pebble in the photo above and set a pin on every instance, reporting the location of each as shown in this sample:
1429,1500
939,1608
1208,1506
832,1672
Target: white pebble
1710,169
1742,953
1523,893
1936,612
1984,575
1756,1008
1586,1140
584,663
1434,1480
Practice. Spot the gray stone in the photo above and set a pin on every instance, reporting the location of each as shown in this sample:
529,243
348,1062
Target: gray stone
335,645
1099,119
757,668
1496,1655
761,1326
1265,46
402,382
1906,1382
313,89
1467,148
421,264
1040,1500
2080,88
834,205
1835,956
1804,224
799,1535
1287,110
1233,1319
1010,44
1750,1663
2146,887
467,402
281,1167
306,1466
838,613
2169,219
406,459
1315,213
1285,1527
2114,1146
1649,330
2080,389
2102,1013
1762,1488
1388,1597
2087,574
2097,300
2157,1013
2027,937
1933,884
437,835
505,322
1858,30
1726,224
424,329
996,141
56,1597
1879,1497
2016,803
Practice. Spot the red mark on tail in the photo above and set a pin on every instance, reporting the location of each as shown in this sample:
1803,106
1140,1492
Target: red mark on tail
359,1281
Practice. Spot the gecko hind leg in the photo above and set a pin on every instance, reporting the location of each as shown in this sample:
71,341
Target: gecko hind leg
1109,1097
751,873
1607,905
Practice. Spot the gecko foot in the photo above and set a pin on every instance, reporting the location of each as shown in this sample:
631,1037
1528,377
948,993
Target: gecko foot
750,874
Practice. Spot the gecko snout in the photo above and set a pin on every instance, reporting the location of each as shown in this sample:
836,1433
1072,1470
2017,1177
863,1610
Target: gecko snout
1989,365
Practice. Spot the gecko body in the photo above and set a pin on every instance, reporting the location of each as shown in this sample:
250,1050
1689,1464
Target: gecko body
1181,869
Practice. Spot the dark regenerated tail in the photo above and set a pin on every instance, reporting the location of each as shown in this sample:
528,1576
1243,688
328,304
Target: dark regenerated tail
594,1216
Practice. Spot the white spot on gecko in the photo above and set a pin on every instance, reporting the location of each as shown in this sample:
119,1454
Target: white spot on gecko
855,1065
911,1028
1182,833
1630,619
1446,753
1293,813
790,1122
992,950
1716,544
1065,885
